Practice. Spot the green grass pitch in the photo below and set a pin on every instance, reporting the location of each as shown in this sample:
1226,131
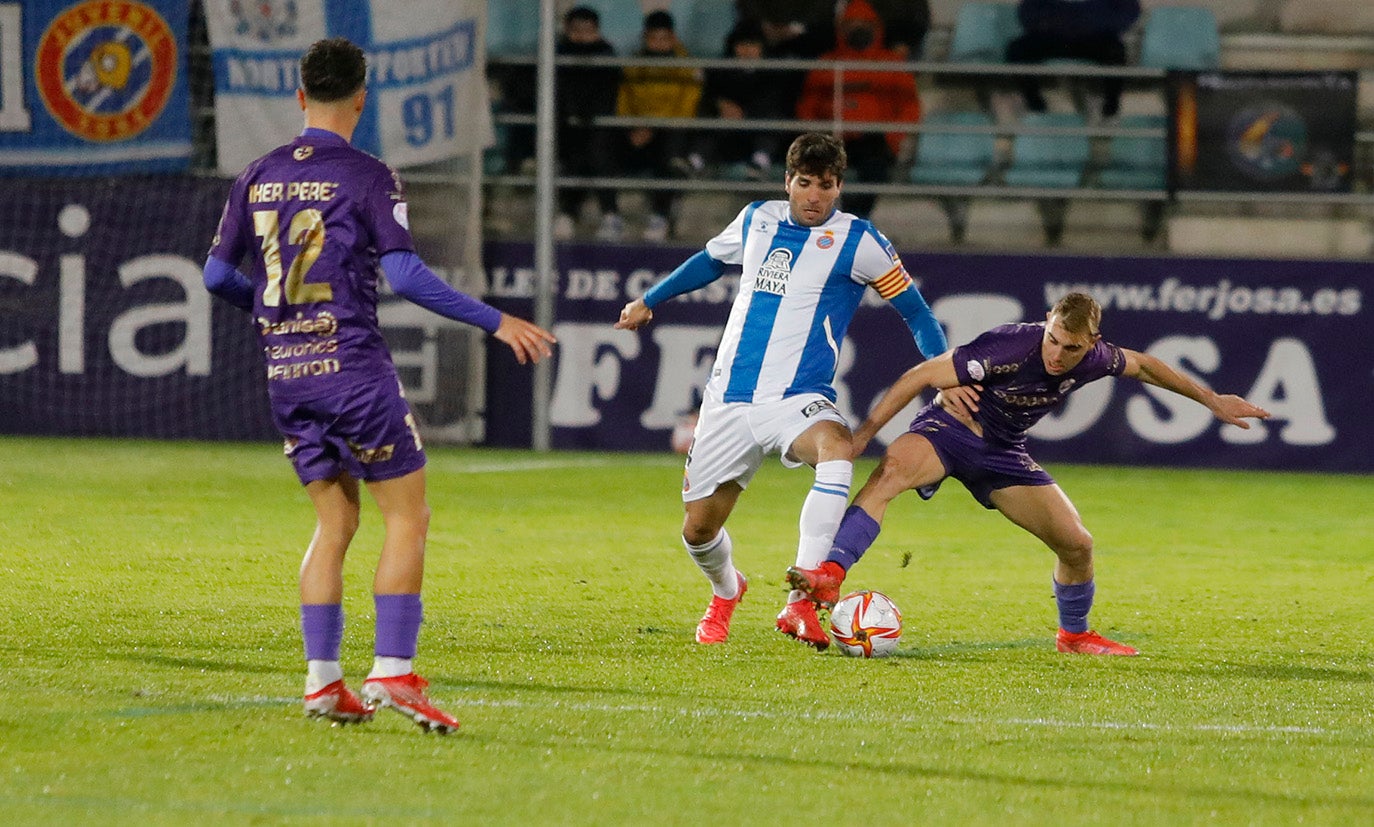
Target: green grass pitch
152,660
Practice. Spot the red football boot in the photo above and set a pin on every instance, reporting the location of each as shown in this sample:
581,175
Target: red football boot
715,624
406,695
822,583
338,704
1090,643
798,620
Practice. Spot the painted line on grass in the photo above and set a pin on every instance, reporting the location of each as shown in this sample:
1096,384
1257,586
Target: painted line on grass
221,702
520,465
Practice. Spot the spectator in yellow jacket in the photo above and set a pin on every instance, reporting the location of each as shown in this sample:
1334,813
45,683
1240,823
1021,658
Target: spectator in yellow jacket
657,92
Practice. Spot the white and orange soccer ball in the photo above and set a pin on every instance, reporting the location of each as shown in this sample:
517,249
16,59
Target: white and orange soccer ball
866,624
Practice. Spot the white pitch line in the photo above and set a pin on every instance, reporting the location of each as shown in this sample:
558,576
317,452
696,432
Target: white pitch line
712,712
460,467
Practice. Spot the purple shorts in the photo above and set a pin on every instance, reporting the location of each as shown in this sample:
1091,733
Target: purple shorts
366,432
967,457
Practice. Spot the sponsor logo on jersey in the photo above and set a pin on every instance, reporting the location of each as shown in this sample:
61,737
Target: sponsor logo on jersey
267,20
818,406
105,68
975,370
774,273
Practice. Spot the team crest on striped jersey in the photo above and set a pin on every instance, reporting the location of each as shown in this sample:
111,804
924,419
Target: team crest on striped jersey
826,241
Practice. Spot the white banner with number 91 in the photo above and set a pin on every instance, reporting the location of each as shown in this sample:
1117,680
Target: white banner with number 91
427,91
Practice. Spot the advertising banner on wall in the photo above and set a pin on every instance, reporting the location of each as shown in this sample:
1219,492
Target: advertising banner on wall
94,87
1263,131
106,328
1291,336
427,93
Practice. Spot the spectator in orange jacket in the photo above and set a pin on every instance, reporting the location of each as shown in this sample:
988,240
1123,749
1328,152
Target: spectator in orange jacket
866,96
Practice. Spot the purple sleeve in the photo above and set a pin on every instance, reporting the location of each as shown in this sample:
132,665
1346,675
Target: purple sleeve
224,280
231,242
386,213
410,278
975,361
1105,359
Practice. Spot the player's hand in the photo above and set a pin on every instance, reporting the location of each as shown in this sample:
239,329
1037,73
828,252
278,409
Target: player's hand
529,341
960,400
1234,410
634,315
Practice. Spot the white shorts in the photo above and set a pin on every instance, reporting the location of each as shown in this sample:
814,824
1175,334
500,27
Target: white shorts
732,438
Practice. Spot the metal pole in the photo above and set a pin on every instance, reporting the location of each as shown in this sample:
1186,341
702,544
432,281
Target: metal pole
546,278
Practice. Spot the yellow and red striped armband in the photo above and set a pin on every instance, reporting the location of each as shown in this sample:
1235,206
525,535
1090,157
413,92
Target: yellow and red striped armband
892,282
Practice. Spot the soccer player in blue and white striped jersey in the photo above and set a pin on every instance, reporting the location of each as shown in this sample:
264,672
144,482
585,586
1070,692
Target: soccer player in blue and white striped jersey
806,265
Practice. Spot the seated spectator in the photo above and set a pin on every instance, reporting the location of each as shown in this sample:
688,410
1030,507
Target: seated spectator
734,94
1078,29
905,23
657,92
584,93
792,31
866,96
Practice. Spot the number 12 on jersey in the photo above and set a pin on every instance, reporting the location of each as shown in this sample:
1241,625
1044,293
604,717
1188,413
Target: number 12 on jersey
307,232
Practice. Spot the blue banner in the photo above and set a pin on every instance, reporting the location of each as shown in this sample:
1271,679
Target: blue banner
427,93
94,88
1291,336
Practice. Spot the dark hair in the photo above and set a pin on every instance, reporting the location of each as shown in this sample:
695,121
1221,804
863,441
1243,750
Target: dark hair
747,30
1079,313
332,70
584,13
658,20
818,154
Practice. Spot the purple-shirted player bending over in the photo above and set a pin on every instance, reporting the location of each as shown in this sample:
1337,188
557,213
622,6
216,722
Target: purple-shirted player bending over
314,219
1023,372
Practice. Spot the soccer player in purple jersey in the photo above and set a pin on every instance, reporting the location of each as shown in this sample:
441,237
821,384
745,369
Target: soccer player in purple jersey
1023,372
315,219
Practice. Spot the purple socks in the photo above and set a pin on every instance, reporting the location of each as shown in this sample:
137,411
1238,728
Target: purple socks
856,533
1074,604
398,624
322,626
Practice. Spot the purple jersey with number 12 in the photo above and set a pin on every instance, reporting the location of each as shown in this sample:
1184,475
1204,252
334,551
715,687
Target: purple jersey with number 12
313,218
1017,390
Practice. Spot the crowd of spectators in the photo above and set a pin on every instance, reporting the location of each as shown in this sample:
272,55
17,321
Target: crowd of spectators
870,31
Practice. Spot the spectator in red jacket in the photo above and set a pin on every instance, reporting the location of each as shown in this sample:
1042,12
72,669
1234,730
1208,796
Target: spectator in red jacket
867,95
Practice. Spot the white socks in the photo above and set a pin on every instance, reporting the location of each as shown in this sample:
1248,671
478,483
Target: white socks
821,514
390,667
716,562
321,673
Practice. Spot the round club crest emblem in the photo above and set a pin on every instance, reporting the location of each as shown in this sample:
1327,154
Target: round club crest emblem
105,68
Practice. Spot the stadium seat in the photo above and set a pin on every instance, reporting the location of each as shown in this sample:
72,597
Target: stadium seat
1140,164
1136,163
954,158
982,32
1049,161
622,22
1181,37
961,159
512,29
703,25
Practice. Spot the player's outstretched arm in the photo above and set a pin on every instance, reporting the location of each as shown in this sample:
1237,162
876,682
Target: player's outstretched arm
932,373
529,341
634,315
1229,408
696,272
